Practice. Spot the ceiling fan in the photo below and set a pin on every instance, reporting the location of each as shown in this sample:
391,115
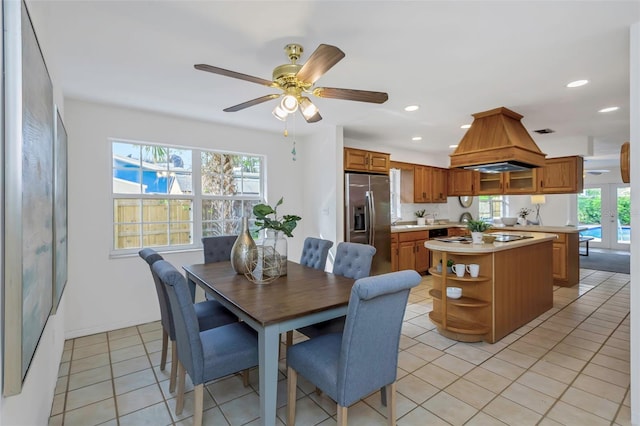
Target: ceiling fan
297,80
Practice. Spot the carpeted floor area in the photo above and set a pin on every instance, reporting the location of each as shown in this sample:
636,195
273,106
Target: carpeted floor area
610,261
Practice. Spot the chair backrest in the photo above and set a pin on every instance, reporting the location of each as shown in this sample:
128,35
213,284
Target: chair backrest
166,318
315,252
353,260
371,337
190,351
218,249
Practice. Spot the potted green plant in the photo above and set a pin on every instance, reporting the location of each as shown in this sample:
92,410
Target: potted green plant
522,215
274,246
420,214
477,227
449,265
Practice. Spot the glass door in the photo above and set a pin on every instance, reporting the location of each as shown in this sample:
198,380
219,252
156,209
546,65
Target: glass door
605,211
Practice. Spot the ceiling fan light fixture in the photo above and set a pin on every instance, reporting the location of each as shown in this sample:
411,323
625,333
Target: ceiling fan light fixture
289,104
279,113
307,108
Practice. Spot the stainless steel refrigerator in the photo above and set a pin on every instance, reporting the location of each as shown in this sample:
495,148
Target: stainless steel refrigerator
368,216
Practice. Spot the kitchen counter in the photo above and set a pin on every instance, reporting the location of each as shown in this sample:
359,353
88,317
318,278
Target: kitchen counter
413,227
536,228
467,247
514,286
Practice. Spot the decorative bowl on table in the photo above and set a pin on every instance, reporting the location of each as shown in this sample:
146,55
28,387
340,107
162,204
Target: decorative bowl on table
454,292
509,221
488,238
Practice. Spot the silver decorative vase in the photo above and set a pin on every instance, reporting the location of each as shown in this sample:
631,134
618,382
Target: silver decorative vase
244,255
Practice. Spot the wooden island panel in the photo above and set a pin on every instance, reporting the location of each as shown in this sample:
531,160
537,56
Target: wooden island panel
515,285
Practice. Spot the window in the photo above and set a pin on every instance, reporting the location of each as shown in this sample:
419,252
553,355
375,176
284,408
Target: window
167,196
491,207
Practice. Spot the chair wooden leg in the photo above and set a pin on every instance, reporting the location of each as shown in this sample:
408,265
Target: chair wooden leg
342,415
174,366
289,338
180,396
391,404
198,401
292,379
245,377
163,355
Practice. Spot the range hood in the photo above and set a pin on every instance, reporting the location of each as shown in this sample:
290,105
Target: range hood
497,142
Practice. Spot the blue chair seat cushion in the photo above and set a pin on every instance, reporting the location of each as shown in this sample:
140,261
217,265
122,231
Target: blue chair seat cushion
335,325
229,348
212,314
317,360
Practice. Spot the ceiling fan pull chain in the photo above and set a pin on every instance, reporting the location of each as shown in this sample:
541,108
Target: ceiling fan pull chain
293,151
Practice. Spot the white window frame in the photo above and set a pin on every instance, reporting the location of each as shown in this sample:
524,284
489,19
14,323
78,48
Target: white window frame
492,200
196,195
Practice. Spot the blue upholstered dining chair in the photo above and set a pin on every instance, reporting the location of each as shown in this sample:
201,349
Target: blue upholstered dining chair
353,260
217,249
209,313
315,252
314,255
204,355
350,365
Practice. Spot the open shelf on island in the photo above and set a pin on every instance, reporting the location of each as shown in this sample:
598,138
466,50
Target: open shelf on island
467,278
468,302
459,326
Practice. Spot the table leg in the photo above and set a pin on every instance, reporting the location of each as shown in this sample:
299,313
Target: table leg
268,343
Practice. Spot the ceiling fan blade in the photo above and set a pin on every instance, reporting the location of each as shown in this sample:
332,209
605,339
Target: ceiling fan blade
351,95
320,61
233,74
313,119
251,103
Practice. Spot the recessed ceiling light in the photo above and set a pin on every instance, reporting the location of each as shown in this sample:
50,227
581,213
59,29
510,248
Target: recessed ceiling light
465,126
411,108
416,138
577,83
609,109
453,146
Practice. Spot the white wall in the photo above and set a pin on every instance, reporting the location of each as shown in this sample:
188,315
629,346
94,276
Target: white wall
634,72
106,293
323,183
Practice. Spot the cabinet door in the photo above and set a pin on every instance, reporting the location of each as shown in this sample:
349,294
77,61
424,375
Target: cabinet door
524,182
562,175
438,185
379,162
461,182
420,184
355,159
490,183
406,255
394,256
560,261
422,257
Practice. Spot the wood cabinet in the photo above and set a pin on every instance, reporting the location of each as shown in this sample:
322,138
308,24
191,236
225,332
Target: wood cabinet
523,182
359,160
561,175
429,184
510,291
461,182
408,251
457,232
566,261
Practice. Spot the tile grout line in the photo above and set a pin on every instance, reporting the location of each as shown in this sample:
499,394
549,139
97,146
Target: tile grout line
113,380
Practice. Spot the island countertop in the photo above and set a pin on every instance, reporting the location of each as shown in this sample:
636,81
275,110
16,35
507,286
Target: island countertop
466,247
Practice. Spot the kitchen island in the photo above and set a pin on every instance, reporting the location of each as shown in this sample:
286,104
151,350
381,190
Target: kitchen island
513,287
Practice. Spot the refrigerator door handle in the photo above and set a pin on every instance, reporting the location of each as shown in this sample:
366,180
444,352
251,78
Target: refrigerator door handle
372,217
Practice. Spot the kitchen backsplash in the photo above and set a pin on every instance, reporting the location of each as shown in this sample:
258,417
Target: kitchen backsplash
441,211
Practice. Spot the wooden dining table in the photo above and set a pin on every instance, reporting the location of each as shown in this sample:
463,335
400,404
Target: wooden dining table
302,297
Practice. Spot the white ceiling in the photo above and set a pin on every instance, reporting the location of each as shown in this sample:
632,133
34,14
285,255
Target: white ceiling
453,58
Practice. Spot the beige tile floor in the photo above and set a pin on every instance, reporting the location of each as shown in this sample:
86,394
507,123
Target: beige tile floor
570,366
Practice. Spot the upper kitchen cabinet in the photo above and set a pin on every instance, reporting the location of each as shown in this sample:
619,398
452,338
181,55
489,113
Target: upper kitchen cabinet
523,182
462,182
429,184
561,175
359,160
